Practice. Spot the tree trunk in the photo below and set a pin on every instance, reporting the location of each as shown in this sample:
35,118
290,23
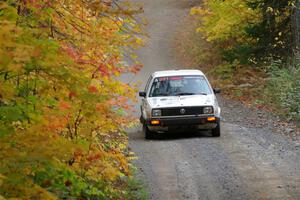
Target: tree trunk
296,31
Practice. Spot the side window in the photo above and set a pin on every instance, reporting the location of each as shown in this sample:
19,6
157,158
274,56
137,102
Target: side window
148,83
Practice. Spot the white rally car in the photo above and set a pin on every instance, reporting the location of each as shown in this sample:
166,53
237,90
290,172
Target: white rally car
177,100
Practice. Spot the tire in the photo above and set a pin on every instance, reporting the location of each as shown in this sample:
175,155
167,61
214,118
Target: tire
142,119
148,134
216,132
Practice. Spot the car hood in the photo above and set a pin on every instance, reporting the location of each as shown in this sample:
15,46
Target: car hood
179,101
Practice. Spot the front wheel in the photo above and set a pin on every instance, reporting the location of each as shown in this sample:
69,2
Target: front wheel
216,132
147,132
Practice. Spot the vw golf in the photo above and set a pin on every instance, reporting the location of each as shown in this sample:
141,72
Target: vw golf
177,100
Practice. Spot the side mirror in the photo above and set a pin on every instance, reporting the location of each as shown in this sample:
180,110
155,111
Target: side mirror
217,90
142,94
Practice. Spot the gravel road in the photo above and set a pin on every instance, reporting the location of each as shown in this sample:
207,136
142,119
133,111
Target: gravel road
250,160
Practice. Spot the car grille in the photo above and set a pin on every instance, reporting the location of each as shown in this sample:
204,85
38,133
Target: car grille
177,111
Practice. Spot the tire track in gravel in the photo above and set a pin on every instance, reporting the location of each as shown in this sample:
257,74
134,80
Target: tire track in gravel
261,160
252,166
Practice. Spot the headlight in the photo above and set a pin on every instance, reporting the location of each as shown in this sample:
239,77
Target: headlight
208,110
156,113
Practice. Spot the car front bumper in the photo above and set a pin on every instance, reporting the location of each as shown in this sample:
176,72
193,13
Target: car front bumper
182,123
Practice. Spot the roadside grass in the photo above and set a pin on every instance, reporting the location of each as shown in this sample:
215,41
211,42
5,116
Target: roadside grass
136,188
283,91
272,88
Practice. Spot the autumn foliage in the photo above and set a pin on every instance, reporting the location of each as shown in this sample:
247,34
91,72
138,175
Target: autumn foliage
62,108
254,49
252,32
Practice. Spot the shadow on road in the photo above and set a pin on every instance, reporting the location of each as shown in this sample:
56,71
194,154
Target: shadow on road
182,135
172,135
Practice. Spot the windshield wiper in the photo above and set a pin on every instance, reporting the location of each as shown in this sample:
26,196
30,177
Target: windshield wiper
190,93
162,94
201,93
185,93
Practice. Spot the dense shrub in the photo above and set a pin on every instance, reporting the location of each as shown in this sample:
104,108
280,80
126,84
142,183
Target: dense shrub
283,89
62,109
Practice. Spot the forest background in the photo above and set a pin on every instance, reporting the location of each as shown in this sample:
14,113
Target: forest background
250,49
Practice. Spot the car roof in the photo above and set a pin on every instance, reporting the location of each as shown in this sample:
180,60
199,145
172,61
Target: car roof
183,72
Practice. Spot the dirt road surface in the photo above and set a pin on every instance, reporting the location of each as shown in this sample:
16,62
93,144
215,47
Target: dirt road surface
246,162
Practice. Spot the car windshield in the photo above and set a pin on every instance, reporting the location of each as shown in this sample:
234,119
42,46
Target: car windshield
179,86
